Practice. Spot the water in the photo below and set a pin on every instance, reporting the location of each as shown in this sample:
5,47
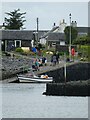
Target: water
27,101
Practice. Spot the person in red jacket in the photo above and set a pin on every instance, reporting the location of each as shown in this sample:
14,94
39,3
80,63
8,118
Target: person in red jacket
73,53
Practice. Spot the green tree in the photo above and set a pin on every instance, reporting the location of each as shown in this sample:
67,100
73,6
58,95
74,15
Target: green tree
82,40
15,21
74,34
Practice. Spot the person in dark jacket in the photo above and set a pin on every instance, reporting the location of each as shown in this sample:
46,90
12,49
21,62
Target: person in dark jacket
57,57
54,59
43,60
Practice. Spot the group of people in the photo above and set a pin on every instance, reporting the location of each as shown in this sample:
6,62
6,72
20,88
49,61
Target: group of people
55,58
38,63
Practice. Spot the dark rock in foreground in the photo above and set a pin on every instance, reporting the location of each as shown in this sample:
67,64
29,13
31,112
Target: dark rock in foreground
78,88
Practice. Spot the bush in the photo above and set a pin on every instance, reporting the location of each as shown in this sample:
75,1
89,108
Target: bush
85,51
20,50
62,53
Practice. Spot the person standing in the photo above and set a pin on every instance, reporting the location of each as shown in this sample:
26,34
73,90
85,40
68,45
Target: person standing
57,57
37,64
43,60
54,59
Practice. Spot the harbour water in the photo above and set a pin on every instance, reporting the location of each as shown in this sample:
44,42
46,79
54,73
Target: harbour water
20,100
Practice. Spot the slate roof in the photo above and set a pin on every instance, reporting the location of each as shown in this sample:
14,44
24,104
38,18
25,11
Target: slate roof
41,33
82,29
16,35
51,31
56,37
28,34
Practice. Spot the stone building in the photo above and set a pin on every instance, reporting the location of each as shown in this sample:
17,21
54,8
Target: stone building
55,35
58,31
11,39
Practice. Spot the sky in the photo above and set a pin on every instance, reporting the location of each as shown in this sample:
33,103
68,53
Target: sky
48,13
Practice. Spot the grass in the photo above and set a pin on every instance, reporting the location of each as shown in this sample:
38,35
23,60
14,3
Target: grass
85,51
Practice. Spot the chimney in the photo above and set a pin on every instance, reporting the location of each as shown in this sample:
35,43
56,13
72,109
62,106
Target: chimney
54,24
63,21
3,24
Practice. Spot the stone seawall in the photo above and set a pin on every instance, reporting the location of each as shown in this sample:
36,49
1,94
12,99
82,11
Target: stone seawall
75,72
78,81
70,89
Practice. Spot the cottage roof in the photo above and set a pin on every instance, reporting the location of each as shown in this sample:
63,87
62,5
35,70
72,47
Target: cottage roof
56,37
17,34
82,29
50,31
41,33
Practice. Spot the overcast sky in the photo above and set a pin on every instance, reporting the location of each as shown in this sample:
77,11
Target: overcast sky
48,13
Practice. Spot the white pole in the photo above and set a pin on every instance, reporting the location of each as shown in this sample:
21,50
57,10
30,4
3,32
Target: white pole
65,74
70,38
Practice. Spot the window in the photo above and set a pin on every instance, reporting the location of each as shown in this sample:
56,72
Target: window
17,43
53,44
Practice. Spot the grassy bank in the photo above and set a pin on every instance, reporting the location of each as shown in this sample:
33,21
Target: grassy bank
84,51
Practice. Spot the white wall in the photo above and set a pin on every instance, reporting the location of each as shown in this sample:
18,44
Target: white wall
62,42
43,41
62,26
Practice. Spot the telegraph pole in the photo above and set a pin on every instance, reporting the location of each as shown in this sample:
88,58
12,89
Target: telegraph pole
70,38
37,33
65,71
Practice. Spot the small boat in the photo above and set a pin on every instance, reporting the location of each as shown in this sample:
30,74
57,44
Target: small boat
33,78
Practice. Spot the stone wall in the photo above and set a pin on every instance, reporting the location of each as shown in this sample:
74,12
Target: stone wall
78,81
79,71
70,89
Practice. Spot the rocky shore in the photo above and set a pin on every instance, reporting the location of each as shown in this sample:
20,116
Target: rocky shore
10,66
